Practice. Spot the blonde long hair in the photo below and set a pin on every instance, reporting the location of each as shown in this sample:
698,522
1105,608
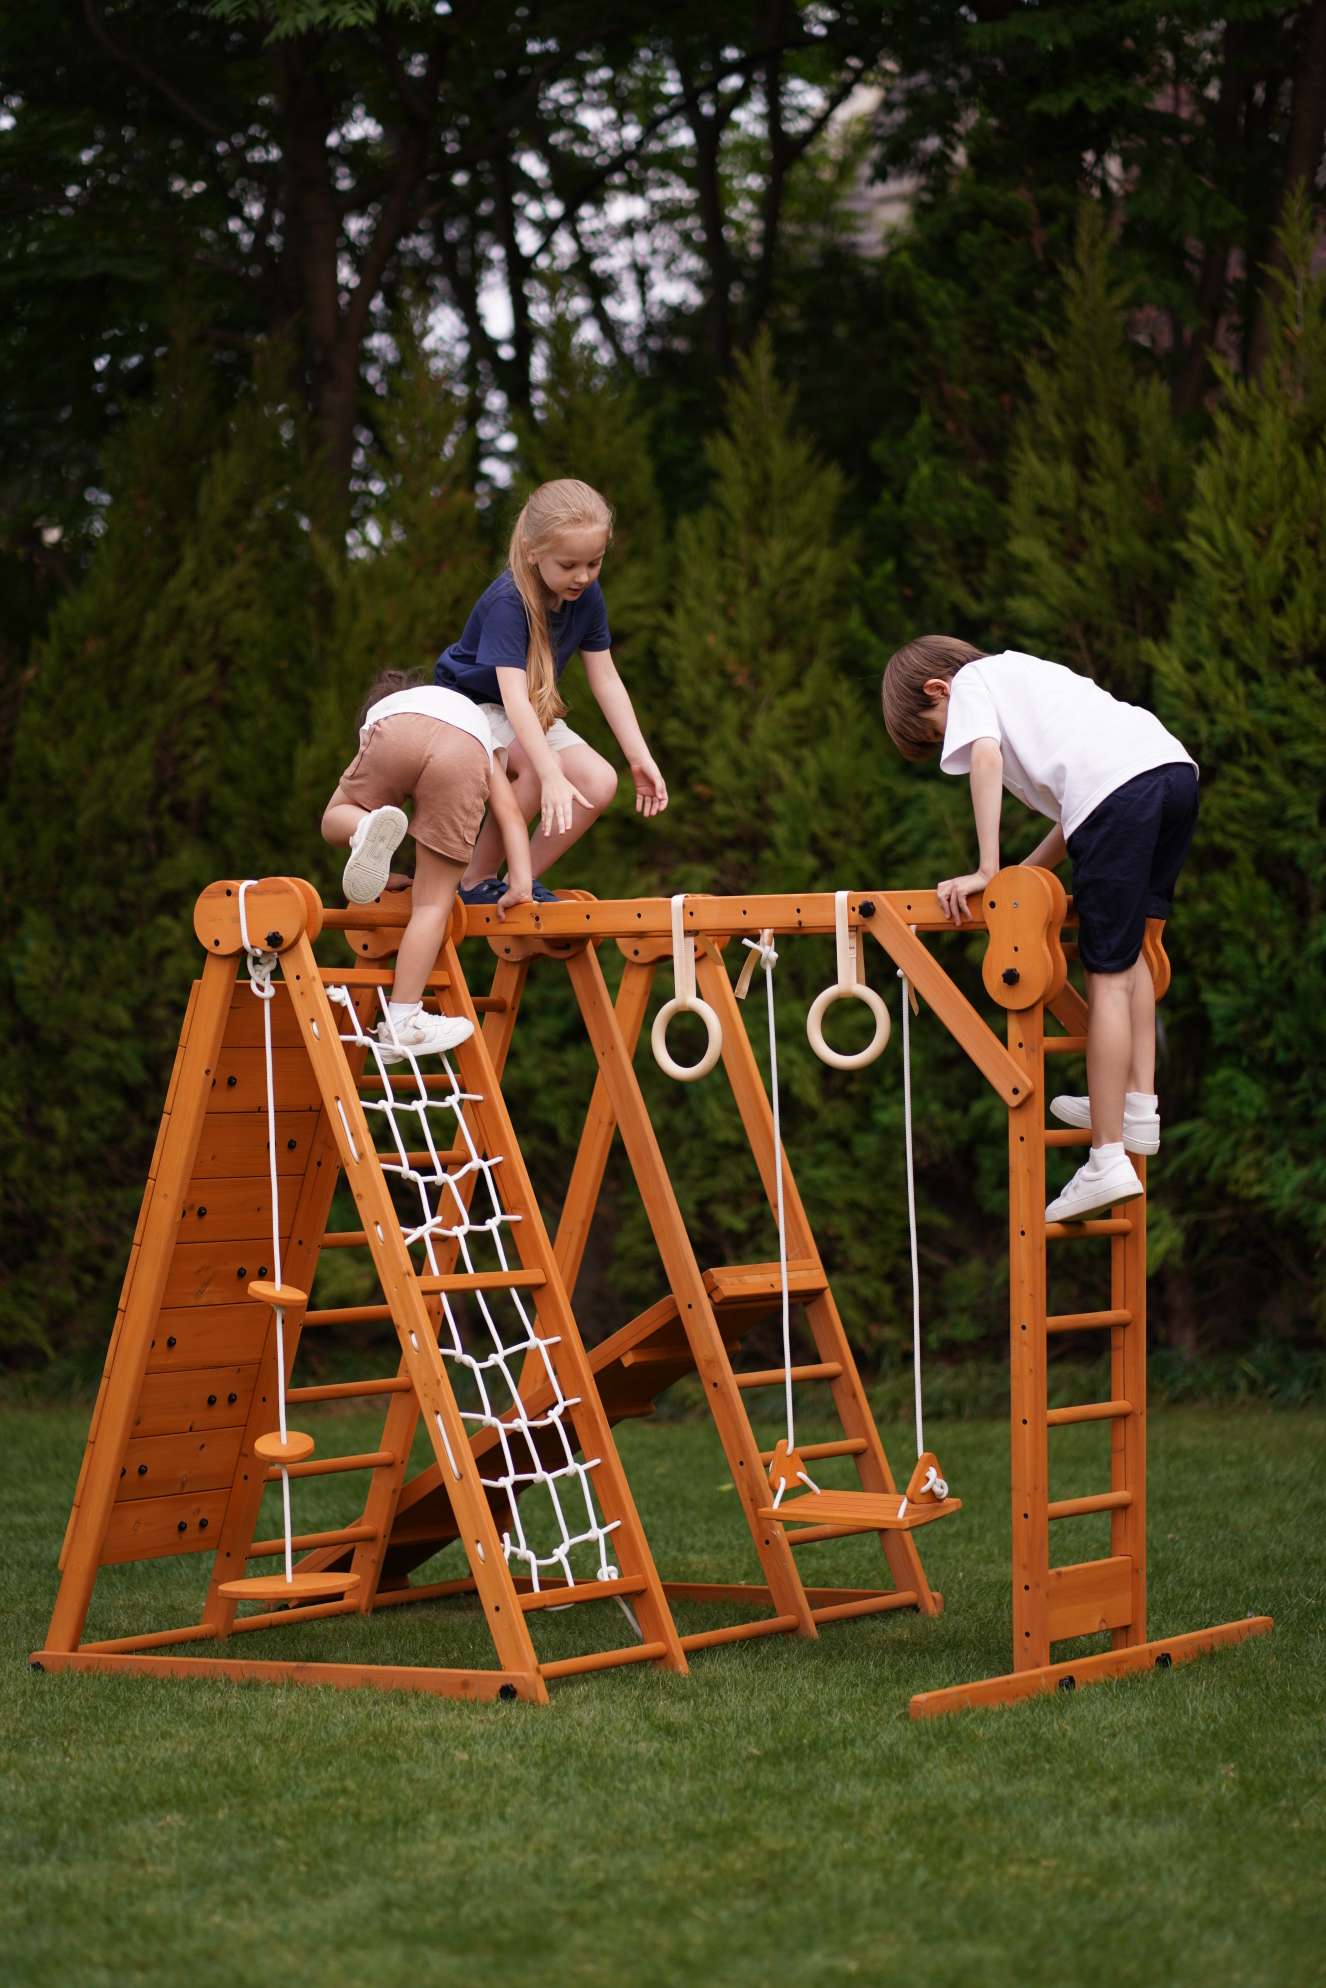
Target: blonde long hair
565,505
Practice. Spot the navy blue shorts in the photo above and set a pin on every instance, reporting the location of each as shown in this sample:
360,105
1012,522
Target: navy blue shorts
1126,859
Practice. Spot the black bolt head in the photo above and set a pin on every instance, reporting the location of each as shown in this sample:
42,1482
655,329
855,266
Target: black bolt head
1010,976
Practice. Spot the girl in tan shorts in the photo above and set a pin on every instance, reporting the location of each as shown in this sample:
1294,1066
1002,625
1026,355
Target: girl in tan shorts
434,745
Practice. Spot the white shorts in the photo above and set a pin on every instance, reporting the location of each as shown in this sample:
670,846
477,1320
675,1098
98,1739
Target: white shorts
559,734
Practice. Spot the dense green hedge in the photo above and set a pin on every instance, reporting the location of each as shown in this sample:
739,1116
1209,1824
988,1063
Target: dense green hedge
190,706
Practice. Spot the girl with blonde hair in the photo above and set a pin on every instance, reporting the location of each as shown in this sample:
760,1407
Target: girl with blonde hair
520,635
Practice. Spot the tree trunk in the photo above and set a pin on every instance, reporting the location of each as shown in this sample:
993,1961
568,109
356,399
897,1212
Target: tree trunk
1307,133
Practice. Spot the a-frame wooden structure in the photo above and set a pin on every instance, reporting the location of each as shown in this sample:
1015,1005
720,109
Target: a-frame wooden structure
179,1351
174,1462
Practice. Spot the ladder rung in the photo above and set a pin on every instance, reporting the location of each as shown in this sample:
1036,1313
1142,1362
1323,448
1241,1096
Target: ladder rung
822,1370
563,1596
347,1315
1076,1508
1081,1321
1067,1135
332,1465
807,1535
845,1446
305,1542
349,1390
843,1611
1113,1225
483,1280
371,1080
636,1653
738,1632
1089,1411
455,1156
1065,1045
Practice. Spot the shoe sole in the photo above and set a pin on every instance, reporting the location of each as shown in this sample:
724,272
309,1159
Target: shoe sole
1147,1144
403,1055
1081,1214
369,866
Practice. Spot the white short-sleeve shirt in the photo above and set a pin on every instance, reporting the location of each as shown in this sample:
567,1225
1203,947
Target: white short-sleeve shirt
431,700
1067,743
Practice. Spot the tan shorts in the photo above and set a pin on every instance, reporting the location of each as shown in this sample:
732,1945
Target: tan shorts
444,769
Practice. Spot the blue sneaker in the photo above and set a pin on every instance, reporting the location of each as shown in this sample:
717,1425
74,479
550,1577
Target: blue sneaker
541,893
487,891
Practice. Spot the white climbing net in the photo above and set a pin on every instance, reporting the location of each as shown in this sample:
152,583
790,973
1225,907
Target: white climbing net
545,1485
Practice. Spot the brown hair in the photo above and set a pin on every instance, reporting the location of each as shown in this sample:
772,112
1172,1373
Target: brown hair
565,505
383,685
903,690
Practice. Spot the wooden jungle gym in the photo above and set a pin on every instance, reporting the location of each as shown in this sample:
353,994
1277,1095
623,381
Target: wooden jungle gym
275,1100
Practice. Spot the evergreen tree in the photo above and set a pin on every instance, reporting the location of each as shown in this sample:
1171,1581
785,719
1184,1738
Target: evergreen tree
1241,677
154,752
1098,485
420,561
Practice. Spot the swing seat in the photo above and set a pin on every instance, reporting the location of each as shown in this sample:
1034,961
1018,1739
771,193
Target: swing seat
300,1587
863,1511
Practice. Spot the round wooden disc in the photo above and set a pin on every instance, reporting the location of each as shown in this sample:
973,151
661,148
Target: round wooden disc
288,1296
301,1587
293,1450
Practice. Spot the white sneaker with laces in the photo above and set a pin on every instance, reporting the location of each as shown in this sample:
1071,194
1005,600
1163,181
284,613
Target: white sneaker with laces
1141,1129
421,1035
1094,1188
372,846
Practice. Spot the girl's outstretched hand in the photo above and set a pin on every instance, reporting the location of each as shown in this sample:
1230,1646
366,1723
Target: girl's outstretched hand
556,804
516,892
651,789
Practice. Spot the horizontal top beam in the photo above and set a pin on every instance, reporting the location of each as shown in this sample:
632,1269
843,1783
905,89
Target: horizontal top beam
785,913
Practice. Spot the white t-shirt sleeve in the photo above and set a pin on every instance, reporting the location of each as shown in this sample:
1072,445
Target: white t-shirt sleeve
971,716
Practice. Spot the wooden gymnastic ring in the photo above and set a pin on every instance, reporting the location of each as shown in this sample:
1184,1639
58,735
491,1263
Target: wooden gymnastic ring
815,1031
658,1039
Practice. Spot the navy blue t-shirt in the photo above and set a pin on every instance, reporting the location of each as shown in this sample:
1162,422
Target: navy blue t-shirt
496,636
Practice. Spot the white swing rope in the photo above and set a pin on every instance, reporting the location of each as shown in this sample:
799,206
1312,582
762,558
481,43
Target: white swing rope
445,1215
763,950
261,967
933,1481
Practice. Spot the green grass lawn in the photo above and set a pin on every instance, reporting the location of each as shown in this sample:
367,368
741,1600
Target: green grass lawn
774,1819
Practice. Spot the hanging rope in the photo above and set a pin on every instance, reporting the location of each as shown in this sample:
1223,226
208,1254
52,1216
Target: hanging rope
261,964
932,1482
762,951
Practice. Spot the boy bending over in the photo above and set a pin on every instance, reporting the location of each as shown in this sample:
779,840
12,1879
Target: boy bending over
1121,793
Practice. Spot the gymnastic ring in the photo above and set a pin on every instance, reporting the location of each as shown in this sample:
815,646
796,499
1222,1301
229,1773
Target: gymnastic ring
875,1047
658,1039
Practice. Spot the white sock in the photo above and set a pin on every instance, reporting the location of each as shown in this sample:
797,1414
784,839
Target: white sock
1105,1156
401,1011
1141,1101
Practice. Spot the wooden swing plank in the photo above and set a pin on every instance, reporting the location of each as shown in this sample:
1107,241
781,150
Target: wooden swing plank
864,1511
1160,1654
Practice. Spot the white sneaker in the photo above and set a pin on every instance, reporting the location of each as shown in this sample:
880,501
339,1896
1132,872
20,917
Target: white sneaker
1095,1188
421,1035
372,846
1141,1129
